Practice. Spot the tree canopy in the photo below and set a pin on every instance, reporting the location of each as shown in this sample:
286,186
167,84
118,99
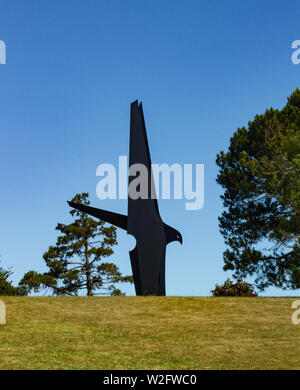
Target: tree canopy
76,262
260,174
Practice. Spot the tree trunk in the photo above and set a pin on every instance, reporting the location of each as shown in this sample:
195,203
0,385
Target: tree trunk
89,284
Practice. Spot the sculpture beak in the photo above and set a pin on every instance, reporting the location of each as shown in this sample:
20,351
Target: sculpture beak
178,236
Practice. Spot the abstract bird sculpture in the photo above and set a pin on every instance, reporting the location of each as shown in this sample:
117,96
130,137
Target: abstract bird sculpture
143,221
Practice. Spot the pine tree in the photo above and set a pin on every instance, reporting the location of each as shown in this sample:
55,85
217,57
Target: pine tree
260,173
76,262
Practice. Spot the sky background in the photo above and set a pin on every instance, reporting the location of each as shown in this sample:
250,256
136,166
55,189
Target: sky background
201,68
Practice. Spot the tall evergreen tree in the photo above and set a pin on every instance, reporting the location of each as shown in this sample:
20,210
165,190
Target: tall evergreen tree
76,261
260,173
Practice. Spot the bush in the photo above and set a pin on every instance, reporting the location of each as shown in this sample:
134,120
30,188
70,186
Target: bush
117,292
6,287
230,289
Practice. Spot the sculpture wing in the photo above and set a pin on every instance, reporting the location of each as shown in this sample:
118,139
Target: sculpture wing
118,220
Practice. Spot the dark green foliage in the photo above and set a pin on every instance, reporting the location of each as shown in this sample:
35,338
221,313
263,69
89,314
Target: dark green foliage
231,289
76,261
260,173
6,287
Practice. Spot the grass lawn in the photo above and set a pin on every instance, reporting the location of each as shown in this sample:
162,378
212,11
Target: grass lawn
149,333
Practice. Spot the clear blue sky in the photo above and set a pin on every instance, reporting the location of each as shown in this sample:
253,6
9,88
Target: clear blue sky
201,68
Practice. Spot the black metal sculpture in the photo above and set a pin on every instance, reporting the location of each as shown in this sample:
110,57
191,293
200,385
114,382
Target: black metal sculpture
143,220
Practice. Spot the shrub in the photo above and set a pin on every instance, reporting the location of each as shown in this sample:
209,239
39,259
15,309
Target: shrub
117,292
231,289
6,287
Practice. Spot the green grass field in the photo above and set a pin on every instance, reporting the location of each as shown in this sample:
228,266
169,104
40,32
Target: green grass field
149,333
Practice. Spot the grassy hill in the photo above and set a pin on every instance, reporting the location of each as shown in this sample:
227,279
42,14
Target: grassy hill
149,333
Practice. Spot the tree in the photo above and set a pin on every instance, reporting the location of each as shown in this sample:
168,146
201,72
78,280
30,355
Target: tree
260,173
76,261
6,287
